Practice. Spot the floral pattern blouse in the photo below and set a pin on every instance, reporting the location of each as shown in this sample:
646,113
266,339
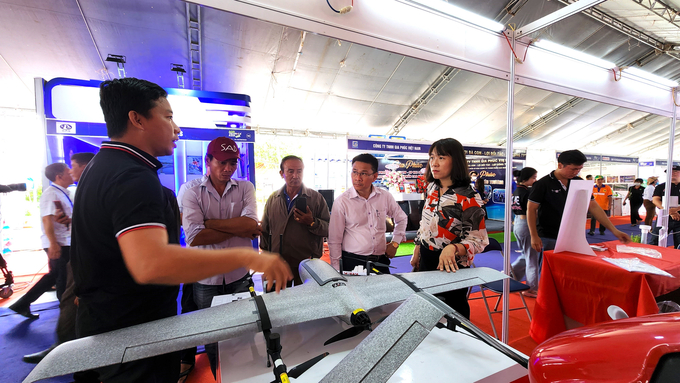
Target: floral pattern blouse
452,216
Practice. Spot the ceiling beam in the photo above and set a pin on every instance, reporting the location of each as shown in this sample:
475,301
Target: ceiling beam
510,10
544,119
662,10
89,31
299,133
659,144
193,14
627,30
627,127
559,15
437,85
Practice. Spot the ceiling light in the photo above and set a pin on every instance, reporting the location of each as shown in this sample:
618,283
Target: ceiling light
462,14
651,77
562,50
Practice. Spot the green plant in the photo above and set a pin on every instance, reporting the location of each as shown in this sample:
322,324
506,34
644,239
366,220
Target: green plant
636,238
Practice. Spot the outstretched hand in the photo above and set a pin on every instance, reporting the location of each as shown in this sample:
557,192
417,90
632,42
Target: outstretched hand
623,237
273,268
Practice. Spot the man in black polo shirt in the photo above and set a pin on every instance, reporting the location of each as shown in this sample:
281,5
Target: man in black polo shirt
673,211
125,271
548,197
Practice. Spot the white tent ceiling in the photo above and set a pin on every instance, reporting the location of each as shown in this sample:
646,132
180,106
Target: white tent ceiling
338,86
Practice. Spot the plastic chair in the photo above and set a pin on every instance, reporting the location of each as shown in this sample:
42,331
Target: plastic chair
496,288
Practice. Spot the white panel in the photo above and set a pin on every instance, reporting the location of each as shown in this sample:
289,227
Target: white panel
402,27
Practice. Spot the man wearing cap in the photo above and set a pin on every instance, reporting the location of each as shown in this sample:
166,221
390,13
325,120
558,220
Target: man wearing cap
295,234
657,199
603,196
220,213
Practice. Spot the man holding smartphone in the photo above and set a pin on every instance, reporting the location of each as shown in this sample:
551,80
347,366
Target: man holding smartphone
295,219
56,208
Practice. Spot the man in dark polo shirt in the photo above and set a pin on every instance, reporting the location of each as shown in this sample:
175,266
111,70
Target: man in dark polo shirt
125,270
673,210
548,197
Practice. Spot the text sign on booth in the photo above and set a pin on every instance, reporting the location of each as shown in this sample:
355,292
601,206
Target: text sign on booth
383,146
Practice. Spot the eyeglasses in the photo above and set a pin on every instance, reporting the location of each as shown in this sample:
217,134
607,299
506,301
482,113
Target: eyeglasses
362,174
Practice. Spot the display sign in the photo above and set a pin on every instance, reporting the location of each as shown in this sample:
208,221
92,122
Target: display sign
627,179
665,162
646,163
387,146
410,168
90,129
493,152
622,160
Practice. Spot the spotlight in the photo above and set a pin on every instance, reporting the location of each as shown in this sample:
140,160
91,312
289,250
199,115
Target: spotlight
179,69
120,63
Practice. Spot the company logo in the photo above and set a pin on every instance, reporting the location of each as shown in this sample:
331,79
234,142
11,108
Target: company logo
337,284
66,128
228,148
234,134
355,144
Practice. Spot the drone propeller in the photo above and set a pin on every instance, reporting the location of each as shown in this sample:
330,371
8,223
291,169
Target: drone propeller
301,368
360,322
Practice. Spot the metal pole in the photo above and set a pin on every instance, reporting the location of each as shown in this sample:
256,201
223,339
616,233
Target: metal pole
663,233
508,191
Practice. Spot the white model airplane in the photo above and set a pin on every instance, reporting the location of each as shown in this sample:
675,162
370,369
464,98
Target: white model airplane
325,293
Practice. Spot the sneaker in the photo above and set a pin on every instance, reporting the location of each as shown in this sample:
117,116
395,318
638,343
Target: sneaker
530,293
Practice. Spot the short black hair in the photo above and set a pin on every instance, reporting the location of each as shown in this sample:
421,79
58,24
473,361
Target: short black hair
460,175
524,174
82,158
291,157
55,169
367,159
589,175
572,157
638,180
120,96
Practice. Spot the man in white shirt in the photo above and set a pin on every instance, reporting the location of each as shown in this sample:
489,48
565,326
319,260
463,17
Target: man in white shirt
357,228
217,213
56,237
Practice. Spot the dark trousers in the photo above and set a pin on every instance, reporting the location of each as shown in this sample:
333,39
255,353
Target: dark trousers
593,222
188,356
635,212
456,299
294,265
55,276
351,260
651,211
673,229
203,296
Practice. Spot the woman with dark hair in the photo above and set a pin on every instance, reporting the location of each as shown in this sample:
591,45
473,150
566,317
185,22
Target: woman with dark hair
452,228
527,263
635,195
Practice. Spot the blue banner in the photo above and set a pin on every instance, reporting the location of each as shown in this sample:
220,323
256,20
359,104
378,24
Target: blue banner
90,129
622,160
646,163
384,146
665,162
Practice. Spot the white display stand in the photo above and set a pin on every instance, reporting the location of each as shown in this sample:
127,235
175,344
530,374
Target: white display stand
442,356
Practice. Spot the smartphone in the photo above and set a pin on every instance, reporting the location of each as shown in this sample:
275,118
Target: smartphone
301,204
59,206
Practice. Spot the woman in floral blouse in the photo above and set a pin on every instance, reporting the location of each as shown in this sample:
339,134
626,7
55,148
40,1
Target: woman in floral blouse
452,228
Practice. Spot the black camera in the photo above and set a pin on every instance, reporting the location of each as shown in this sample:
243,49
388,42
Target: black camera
12,187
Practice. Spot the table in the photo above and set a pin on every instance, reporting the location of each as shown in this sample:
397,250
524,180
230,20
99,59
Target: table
440,356
579,288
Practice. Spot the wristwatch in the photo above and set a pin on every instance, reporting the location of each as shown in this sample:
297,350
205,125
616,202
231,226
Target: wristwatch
312,224
394,244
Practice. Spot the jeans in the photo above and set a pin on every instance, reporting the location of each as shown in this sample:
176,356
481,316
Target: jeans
188,356
203,296
593,222
528,263
673,230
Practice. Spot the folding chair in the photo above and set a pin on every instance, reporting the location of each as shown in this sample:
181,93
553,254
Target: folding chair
497,289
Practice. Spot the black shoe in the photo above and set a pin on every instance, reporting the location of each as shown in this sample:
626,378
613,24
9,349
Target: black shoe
591,233
602,233
24,311
38,356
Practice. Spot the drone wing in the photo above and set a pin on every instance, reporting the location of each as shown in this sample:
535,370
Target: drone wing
188,330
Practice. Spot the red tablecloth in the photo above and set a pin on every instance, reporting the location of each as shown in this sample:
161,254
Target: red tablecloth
581,287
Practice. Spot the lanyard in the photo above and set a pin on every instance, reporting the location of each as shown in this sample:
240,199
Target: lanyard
66,195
